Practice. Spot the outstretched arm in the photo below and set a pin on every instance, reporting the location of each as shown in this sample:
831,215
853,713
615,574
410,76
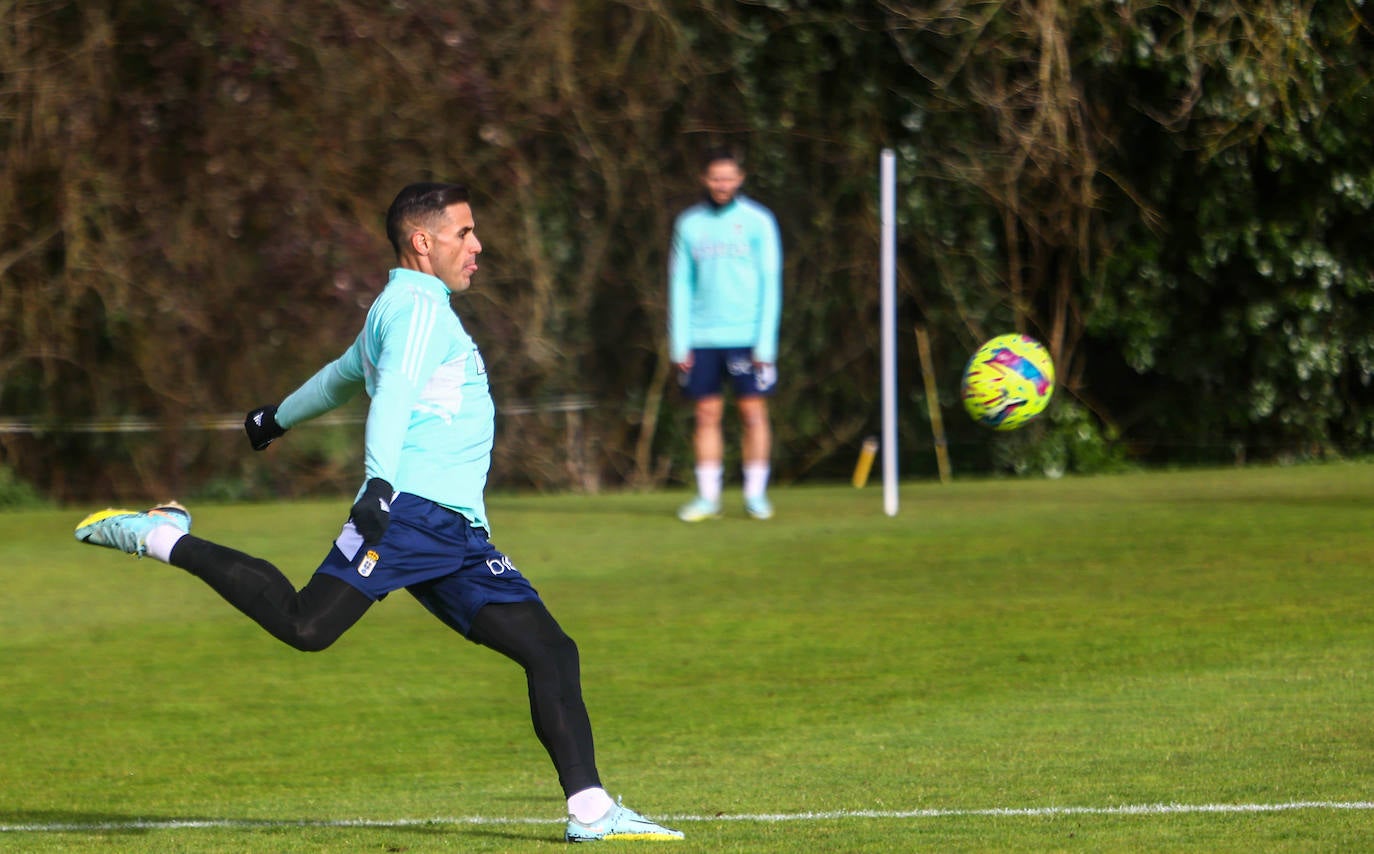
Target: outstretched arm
331,387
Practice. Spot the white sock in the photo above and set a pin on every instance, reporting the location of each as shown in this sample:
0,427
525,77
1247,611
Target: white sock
590,804
160,541
755,479
709,479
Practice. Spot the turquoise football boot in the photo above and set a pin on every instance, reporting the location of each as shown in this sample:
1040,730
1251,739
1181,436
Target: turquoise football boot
127,530
620,824
699,509
758,507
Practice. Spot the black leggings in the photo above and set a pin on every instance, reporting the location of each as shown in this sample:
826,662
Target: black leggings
318,614
527,633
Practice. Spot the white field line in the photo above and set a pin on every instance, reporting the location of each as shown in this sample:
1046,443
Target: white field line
767,818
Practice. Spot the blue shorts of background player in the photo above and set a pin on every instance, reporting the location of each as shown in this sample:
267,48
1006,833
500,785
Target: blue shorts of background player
712,366
435,554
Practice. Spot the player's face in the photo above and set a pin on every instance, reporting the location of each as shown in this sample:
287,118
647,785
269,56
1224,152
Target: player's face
454,247
722,179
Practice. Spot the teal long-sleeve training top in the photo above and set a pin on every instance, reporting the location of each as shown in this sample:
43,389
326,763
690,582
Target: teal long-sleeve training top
725,280
431,422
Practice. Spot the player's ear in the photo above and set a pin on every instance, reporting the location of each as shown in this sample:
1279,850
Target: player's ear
419,242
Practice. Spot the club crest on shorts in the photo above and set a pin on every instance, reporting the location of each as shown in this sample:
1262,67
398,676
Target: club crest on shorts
369,563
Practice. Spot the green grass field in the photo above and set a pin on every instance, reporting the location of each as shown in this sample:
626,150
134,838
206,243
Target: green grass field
1004,666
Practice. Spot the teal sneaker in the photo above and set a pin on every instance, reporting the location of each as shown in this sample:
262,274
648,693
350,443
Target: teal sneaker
621,823
127,530
699,509
758,507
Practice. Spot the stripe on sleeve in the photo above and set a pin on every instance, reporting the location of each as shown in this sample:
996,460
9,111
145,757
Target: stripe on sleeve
417,337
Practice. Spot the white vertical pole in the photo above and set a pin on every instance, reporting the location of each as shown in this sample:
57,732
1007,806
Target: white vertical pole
888,283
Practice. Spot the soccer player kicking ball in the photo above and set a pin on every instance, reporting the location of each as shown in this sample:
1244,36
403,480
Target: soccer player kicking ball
419,521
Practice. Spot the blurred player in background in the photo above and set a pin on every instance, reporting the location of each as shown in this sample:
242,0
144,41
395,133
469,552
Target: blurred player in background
419,521
724,305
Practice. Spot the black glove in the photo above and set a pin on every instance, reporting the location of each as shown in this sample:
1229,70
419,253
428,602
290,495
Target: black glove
372,511
262,427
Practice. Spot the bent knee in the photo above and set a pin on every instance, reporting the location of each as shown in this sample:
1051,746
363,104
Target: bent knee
308,639
312,644
563,651
553,652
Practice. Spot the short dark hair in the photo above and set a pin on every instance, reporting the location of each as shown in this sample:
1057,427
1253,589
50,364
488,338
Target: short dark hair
418,203
717,154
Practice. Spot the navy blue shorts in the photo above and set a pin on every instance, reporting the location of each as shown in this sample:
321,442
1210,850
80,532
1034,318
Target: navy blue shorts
433,552
712,365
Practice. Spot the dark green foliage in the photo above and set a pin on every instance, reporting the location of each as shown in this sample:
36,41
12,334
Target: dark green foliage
15,494
1172,198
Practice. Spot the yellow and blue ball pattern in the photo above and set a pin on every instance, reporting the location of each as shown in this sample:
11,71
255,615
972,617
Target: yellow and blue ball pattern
1008,382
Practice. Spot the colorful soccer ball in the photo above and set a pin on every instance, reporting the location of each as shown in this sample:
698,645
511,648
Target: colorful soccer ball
1008,382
